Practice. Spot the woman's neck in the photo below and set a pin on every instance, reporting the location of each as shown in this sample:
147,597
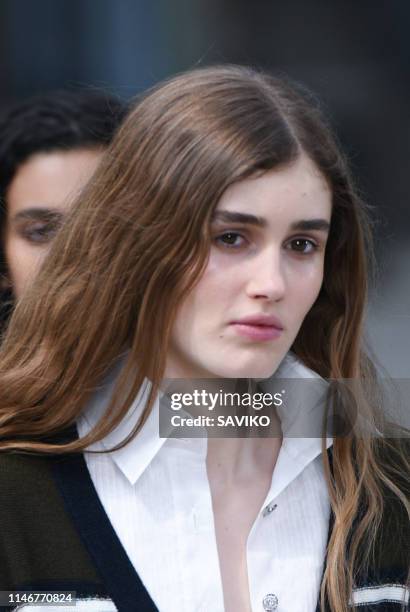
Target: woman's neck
239,460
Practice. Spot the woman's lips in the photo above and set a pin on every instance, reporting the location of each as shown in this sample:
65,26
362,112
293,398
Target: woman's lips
257,332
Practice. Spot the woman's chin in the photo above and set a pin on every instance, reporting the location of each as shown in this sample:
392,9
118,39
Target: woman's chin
259,371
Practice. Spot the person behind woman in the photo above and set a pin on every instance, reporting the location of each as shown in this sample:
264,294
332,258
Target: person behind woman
221,231
49,146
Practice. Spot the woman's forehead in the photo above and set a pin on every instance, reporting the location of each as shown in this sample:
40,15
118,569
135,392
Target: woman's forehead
295,187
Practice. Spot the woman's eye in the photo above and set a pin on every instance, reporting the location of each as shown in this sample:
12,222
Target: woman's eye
39,234
303,246
231,239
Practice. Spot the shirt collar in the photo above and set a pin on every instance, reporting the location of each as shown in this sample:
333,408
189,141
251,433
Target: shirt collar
133,458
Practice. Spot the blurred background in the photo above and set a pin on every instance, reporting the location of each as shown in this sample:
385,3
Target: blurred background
354,55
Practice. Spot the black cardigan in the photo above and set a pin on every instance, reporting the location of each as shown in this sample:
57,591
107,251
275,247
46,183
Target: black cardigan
55,535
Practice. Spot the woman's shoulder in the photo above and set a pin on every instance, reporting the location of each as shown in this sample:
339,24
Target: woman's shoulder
17,466
37,537
25,479
25,472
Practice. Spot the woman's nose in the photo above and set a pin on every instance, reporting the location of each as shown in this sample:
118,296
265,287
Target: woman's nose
266,276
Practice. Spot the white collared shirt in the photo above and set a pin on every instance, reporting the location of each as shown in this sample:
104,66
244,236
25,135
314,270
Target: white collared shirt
156,494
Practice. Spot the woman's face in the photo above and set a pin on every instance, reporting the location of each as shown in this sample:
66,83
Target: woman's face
37,201
264,273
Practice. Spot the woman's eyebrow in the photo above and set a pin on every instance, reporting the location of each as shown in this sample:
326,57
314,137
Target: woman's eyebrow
39,214
300,225
311,224
237,217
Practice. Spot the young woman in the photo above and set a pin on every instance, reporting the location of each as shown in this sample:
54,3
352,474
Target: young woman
220,232
49,147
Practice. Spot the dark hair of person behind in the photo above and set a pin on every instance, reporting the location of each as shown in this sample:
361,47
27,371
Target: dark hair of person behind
55,121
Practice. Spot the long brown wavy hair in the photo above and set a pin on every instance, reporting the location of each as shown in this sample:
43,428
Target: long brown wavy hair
136,242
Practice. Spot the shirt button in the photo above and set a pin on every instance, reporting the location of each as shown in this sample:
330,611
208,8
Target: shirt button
270,602
269,509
